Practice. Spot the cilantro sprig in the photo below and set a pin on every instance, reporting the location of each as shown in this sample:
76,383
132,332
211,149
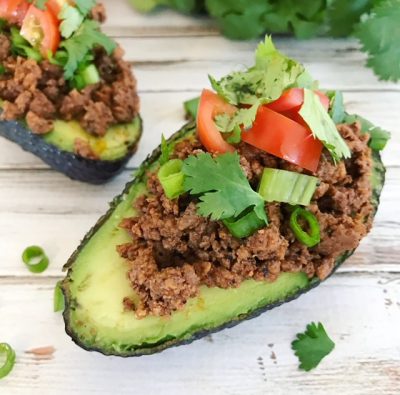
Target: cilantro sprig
263,83
379,34
221,185
322,126
312,346
80,44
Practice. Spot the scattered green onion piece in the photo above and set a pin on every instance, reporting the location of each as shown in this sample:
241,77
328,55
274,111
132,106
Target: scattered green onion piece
287,187
171,178
58,300
35,259
90,75
244,225
8,365
191,106
2,69
311,238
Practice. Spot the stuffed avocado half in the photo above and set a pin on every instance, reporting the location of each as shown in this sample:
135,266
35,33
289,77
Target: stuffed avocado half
66,93
222,223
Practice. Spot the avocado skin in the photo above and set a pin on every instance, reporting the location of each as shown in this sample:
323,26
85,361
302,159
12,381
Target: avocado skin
75,167
167,343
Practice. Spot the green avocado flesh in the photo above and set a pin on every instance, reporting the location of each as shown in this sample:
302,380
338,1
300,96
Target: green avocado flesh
115,144
97,283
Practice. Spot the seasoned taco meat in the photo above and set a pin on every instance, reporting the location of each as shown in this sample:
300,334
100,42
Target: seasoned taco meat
38,92
174,251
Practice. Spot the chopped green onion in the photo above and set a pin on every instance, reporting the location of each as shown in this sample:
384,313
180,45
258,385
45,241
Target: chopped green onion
245,225
35,259
90,75
2,69
8,364
287,187
310,238
58,300
171,178
191,106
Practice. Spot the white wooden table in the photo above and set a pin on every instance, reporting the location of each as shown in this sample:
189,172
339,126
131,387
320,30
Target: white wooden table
360,305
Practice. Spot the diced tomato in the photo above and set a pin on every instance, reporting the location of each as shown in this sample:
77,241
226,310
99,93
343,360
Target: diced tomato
55,6
210,106
292,100
13,10
40,29
284,138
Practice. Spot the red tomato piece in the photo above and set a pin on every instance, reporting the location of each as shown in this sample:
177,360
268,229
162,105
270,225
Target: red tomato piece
40,29
13,10
292,100
54,6
210,106
284,138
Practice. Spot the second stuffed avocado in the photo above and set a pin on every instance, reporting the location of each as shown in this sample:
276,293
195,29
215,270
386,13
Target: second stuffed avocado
66,93
256,203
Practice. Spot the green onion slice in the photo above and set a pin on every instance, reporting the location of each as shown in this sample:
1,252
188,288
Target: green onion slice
171,178
8,364
58,299
245,224
90,75
35,259
191,106
287,187
311,237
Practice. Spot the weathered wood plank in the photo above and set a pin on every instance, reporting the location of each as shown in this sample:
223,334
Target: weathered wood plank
45,208
163,113
252,358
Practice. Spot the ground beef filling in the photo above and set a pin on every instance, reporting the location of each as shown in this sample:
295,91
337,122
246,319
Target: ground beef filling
39,94
174,251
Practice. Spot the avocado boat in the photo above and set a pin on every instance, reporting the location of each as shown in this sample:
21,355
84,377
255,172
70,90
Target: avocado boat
66,94
139,284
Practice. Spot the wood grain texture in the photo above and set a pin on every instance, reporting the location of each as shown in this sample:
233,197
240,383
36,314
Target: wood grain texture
239,361
360,306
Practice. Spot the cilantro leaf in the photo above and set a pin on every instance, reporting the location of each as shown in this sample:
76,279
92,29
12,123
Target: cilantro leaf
166,150
337,111
191,106
20,46
379,34
84,6
81,42
242,117
227,193
378,136
71,18
272,74
237,19
41,4
304,19
312,346
342,15
322,126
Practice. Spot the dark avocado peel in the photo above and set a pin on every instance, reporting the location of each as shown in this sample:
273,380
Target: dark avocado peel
56,148
94,315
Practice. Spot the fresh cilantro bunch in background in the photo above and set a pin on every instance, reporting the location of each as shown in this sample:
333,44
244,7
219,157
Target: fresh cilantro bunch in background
374,22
